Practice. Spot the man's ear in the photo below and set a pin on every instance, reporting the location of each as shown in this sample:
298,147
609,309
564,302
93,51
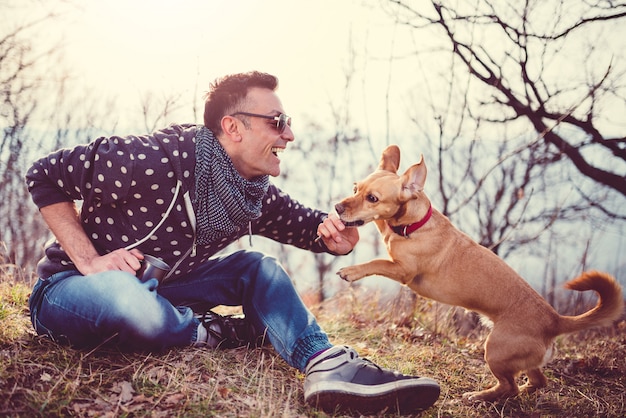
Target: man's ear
231,127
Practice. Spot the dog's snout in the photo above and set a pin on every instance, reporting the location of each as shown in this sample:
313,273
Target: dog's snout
340,208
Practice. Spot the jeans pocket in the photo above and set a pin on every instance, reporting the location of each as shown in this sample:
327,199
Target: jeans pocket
37,295
34,301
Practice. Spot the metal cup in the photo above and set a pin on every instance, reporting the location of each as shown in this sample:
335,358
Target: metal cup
152,268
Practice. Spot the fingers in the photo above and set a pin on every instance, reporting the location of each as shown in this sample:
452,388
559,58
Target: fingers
126,260
336,236
138,254
120,259
331,228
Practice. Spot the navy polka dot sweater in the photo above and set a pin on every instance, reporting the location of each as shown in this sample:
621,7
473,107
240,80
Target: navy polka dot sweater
135,193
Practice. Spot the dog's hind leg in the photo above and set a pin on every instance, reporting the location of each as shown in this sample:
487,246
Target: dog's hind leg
506,387
536,380
502,364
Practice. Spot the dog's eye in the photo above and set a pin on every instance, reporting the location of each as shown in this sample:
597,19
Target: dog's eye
371,198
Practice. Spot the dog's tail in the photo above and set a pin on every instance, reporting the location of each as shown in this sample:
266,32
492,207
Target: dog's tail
609,307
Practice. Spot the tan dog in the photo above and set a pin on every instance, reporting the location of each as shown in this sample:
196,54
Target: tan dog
439,262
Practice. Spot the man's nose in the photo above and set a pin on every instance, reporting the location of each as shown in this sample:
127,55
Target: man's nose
288,134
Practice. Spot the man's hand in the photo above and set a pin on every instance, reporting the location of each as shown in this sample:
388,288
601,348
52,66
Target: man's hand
119,259
63,220
336,236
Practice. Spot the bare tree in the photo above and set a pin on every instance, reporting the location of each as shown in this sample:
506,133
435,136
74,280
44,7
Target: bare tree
329,163
156,112
522,111
539,64
38,113
323,165
19,79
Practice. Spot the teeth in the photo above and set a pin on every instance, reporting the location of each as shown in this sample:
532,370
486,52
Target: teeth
276,150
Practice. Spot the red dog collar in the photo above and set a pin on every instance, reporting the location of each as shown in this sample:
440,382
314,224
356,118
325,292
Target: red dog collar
405,230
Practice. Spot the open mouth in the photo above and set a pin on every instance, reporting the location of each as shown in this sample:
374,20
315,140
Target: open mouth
277,150
353,223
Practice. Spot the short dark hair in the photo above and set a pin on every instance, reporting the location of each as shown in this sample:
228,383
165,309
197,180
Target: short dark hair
227,93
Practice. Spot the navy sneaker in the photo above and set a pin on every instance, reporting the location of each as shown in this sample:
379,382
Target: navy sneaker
339,380
230,331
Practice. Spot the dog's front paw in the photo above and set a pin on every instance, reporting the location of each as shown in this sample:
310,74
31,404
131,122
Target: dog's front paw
350,274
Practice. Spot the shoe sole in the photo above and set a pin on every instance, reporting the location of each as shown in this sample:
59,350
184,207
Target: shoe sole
402,400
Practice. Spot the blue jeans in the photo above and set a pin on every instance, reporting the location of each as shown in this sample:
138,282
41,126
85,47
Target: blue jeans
116,307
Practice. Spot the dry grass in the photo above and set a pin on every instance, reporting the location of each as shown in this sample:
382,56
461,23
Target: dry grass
39,378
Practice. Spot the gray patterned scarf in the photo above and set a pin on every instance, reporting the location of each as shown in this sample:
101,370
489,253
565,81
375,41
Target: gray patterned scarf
224,201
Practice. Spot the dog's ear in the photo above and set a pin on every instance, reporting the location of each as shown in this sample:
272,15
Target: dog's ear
414,179
390,160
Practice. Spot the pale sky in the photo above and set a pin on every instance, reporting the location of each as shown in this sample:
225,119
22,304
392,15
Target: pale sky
131,46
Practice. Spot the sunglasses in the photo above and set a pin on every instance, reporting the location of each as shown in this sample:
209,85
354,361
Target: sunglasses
282,120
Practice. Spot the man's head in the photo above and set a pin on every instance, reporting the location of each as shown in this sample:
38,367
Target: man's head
228,94
246,115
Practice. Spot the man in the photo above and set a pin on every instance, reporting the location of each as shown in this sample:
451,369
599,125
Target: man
182,194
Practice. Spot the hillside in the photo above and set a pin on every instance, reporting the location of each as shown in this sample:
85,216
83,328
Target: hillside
39,378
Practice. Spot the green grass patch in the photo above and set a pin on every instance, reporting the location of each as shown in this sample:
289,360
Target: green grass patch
40,379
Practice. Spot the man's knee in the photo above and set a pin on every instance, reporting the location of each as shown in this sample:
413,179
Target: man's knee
126,301
269,268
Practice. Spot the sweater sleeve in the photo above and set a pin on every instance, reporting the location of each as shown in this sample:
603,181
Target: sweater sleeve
287,221
85,172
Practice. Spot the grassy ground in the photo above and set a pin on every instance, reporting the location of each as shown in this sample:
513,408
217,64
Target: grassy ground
39,378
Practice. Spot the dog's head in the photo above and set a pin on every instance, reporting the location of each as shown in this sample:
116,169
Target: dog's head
384,195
